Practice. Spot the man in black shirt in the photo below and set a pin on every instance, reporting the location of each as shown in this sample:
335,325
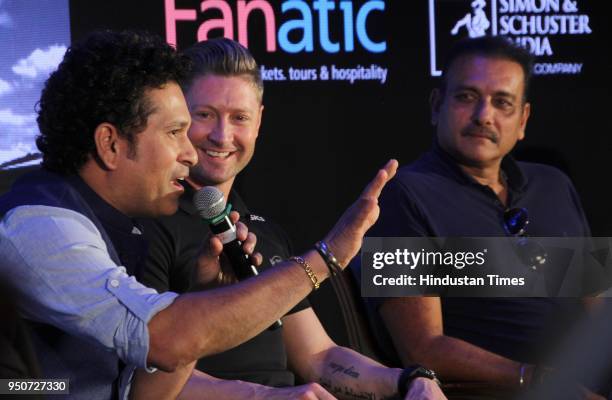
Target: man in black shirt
224,95
174,244
462,187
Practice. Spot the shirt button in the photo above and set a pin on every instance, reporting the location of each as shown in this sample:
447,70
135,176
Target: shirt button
114,283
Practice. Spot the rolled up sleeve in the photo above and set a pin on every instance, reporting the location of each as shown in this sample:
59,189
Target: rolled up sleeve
59,264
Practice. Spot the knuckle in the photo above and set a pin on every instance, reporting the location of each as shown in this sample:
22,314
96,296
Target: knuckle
365,202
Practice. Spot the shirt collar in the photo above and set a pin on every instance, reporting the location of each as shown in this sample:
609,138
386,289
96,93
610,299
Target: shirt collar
511,170
107,214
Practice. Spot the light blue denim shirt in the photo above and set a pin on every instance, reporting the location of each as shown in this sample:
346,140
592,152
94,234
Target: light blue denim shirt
60,266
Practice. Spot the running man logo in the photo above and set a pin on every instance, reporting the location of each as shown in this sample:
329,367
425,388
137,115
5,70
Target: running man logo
537,25
476,24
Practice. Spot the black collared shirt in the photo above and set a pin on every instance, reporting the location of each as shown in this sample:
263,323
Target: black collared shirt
434,197
124,232
174,243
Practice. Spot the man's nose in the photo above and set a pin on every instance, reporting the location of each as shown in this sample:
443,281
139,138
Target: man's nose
188,154
483,113
221,133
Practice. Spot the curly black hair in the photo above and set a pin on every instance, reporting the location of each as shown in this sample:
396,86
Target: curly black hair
102,79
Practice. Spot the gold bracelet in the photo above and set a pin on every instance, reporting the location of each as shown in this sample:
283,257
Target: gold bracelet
309,271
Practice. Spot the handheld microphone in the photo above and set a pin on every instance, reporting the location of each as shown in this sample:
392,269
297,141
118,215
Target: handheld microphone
210,203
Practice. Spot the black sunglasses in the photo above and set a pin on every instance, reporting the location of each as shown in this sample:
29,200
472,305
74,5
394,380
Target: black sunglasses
531,253
516,221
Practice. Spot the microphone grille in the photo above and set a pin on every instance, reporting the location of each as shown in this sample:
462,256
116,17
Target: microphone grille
209,202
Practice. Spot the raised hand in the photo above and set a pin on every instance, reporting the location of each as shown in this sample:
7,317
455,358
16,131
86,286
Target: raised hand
346,236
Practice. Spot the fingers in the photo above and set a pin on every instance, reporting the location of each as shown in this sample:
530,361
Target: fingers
249,241
242,231
208,266
234,216
323,394
382,177
391,168
214,248
256,259
316,391
247,238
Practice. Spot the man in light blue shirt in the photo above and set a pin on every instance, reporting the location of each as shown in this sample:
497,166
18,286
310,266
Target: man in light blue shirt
113,124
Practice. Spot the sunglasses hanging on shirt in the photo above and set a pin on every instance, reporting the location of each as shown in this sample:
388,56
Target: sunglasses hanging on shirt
531,253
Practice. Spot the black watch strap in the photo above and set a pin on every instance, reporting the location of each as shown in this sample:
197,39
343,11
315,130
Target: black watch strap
411,373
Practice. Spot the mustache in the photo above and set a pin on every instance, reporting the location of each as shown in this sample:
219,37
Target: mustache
480,131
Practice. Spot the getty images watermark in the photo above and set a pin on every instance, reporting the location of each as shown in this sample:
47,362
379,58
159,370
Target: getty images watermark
486,266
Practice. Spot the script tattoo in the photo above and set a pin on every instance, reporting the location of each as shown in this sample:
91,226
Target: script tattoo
340,368
346,392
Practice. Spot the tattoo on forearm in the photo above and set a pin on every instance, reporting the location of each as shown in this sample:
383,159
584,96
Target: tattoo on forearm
346,392
350,371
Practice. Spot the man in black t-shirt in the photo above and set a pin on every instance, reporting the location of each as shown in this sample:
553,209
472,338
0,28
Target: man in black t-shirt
174,244
224,95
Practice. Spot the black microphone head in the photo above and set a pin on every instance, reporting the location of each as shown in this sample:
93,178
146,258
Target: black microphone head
209,202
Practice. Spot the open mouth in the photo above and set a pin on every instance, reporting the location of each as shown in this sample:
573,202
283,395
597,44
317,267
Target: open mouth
177,183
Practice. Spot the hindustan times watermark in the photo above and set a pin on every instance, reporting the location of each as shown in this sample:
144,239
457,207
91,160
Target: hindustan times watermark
486,266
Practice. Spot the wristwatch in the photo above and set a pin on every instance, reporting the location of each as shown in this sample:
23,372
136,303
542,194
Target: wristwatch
411,373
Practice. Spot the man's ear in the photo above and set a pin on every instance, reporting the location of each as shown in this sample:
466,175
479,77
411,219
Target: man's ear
260,116
108,148
524,117
435,102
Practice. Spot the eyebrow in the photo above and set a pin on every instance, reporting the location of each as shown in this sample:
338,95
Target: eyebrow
196,107
177,124
498,93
